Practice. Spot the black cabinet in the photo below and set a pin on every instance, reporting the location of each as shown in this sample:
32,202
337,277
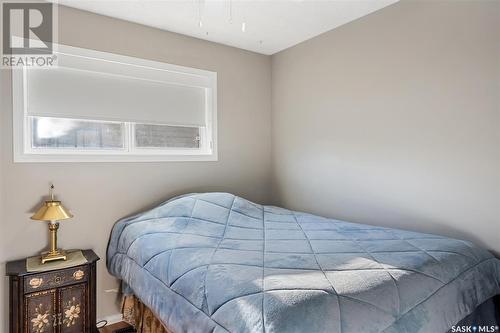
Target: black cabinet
57,301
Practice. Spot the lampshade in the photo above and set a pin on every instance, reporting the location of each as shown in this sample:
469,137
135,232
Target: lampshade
52,210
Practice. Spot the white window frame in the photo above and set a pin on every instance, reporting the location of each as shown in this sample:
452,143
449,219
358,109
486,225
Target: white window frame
24,152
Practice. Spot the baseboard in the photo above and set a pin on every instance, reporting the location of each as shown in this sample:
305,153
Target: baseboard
112,319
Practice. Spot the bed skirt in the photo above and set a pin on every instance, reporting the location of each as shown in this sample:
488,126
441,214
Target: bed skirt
140,316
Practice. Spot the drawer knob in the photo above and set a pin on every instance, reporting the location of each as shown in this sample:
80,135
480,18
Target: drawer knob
78,275
36,282
57,279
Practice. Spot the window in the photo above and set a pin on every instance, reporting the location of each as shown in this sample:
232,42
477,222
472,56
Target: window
97,106
164,136
60,133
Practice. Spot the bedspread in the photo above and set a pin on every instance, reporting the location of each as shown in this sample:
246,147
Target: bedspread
215,262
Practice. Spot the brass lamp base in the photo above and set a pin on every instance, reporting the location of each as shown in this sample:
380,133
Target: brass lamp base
54,253
52,256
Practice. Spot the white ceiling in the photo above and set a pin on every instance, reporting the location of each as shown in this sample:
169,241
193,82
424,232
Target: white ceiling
271,25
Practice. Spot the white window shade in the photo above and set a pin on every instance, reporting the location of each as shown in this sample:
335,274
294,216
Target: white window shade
95,106
84,94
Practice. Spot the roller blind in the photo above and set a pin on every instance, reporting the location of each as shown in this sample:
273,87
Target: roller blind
75,93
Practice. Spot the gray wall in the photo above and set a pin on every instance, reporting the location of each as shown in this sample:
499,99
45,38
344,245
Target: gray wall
100,193
394,120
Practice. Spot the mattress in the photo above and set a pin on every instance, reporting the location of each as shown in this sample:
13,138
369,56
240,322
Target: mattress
215,262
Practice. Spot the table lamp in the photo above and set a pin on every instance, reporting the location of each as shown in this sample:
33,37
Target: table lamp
52,211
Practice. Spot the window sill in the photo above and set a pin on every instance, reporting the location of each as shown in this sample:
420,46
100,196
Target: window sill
94,158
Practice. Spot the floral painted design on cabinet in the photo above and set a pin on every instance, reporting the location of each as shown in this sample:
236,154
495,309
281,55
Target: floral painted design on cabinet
41,319
71,312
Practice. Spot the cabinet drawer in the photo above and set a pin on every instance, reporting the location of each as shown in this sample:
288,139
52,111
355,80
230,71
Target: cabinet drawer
48,280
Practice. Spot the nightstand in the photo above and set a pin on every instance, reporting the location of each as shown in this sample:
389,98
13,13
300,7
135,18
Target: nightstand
56,301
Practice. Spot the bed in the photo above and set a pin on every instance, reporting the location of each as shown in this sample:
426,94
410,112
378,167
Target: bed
215,262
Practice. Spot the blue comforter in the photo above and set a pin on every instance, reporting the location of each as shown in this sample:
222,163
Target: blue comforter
215,262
